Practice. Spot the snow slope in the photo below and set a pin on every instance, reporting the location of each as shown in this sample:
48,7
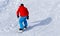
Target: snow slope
44,18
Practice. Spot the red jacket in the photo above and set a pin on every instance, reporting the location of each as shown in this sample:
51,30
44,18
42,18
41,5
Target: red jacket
22,11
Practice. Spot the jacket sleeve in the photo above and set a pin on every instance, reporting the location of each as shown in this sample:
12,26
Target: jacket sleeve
27,11
17,13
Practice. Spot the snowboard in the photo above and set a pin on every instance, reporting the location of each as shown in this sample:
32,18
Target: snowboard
25,29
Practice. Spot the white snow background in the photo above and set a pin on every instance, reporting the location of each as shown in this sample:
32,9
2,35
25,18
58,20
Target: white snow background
44,18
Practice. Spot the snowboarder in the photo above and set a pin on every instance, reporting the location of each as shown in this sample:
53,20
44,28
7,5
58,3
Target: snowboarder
23,13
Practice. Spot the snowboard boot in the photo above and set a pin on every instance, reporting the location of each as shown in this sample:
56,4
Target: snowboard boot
21,30
25,27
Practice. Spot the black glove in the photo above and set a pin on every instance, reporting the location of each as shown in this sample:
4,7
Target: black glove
27,17
17,16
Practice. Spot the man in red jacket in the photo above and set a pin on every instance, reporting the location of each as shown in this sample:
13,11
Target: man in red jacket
24,15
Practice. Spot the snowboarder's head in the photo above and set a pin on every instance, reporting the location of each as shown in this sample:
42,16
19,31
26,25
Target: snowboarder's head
22,4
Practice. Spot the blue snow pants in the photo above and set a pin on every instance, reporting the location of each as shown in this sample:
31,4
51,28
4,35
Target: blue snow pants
22,22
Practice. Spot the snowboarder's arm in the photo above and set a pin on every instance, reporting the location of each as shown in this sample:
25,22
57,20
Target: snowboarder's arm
28,13
17,13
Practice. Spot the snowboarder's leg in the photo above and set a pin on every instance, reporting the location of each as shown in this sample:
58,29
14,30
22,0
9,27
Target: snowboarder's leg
21,23
25,23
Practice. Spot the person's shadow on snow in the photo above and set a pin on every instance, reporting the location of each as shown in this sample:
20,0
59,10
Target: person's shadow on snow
40,23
